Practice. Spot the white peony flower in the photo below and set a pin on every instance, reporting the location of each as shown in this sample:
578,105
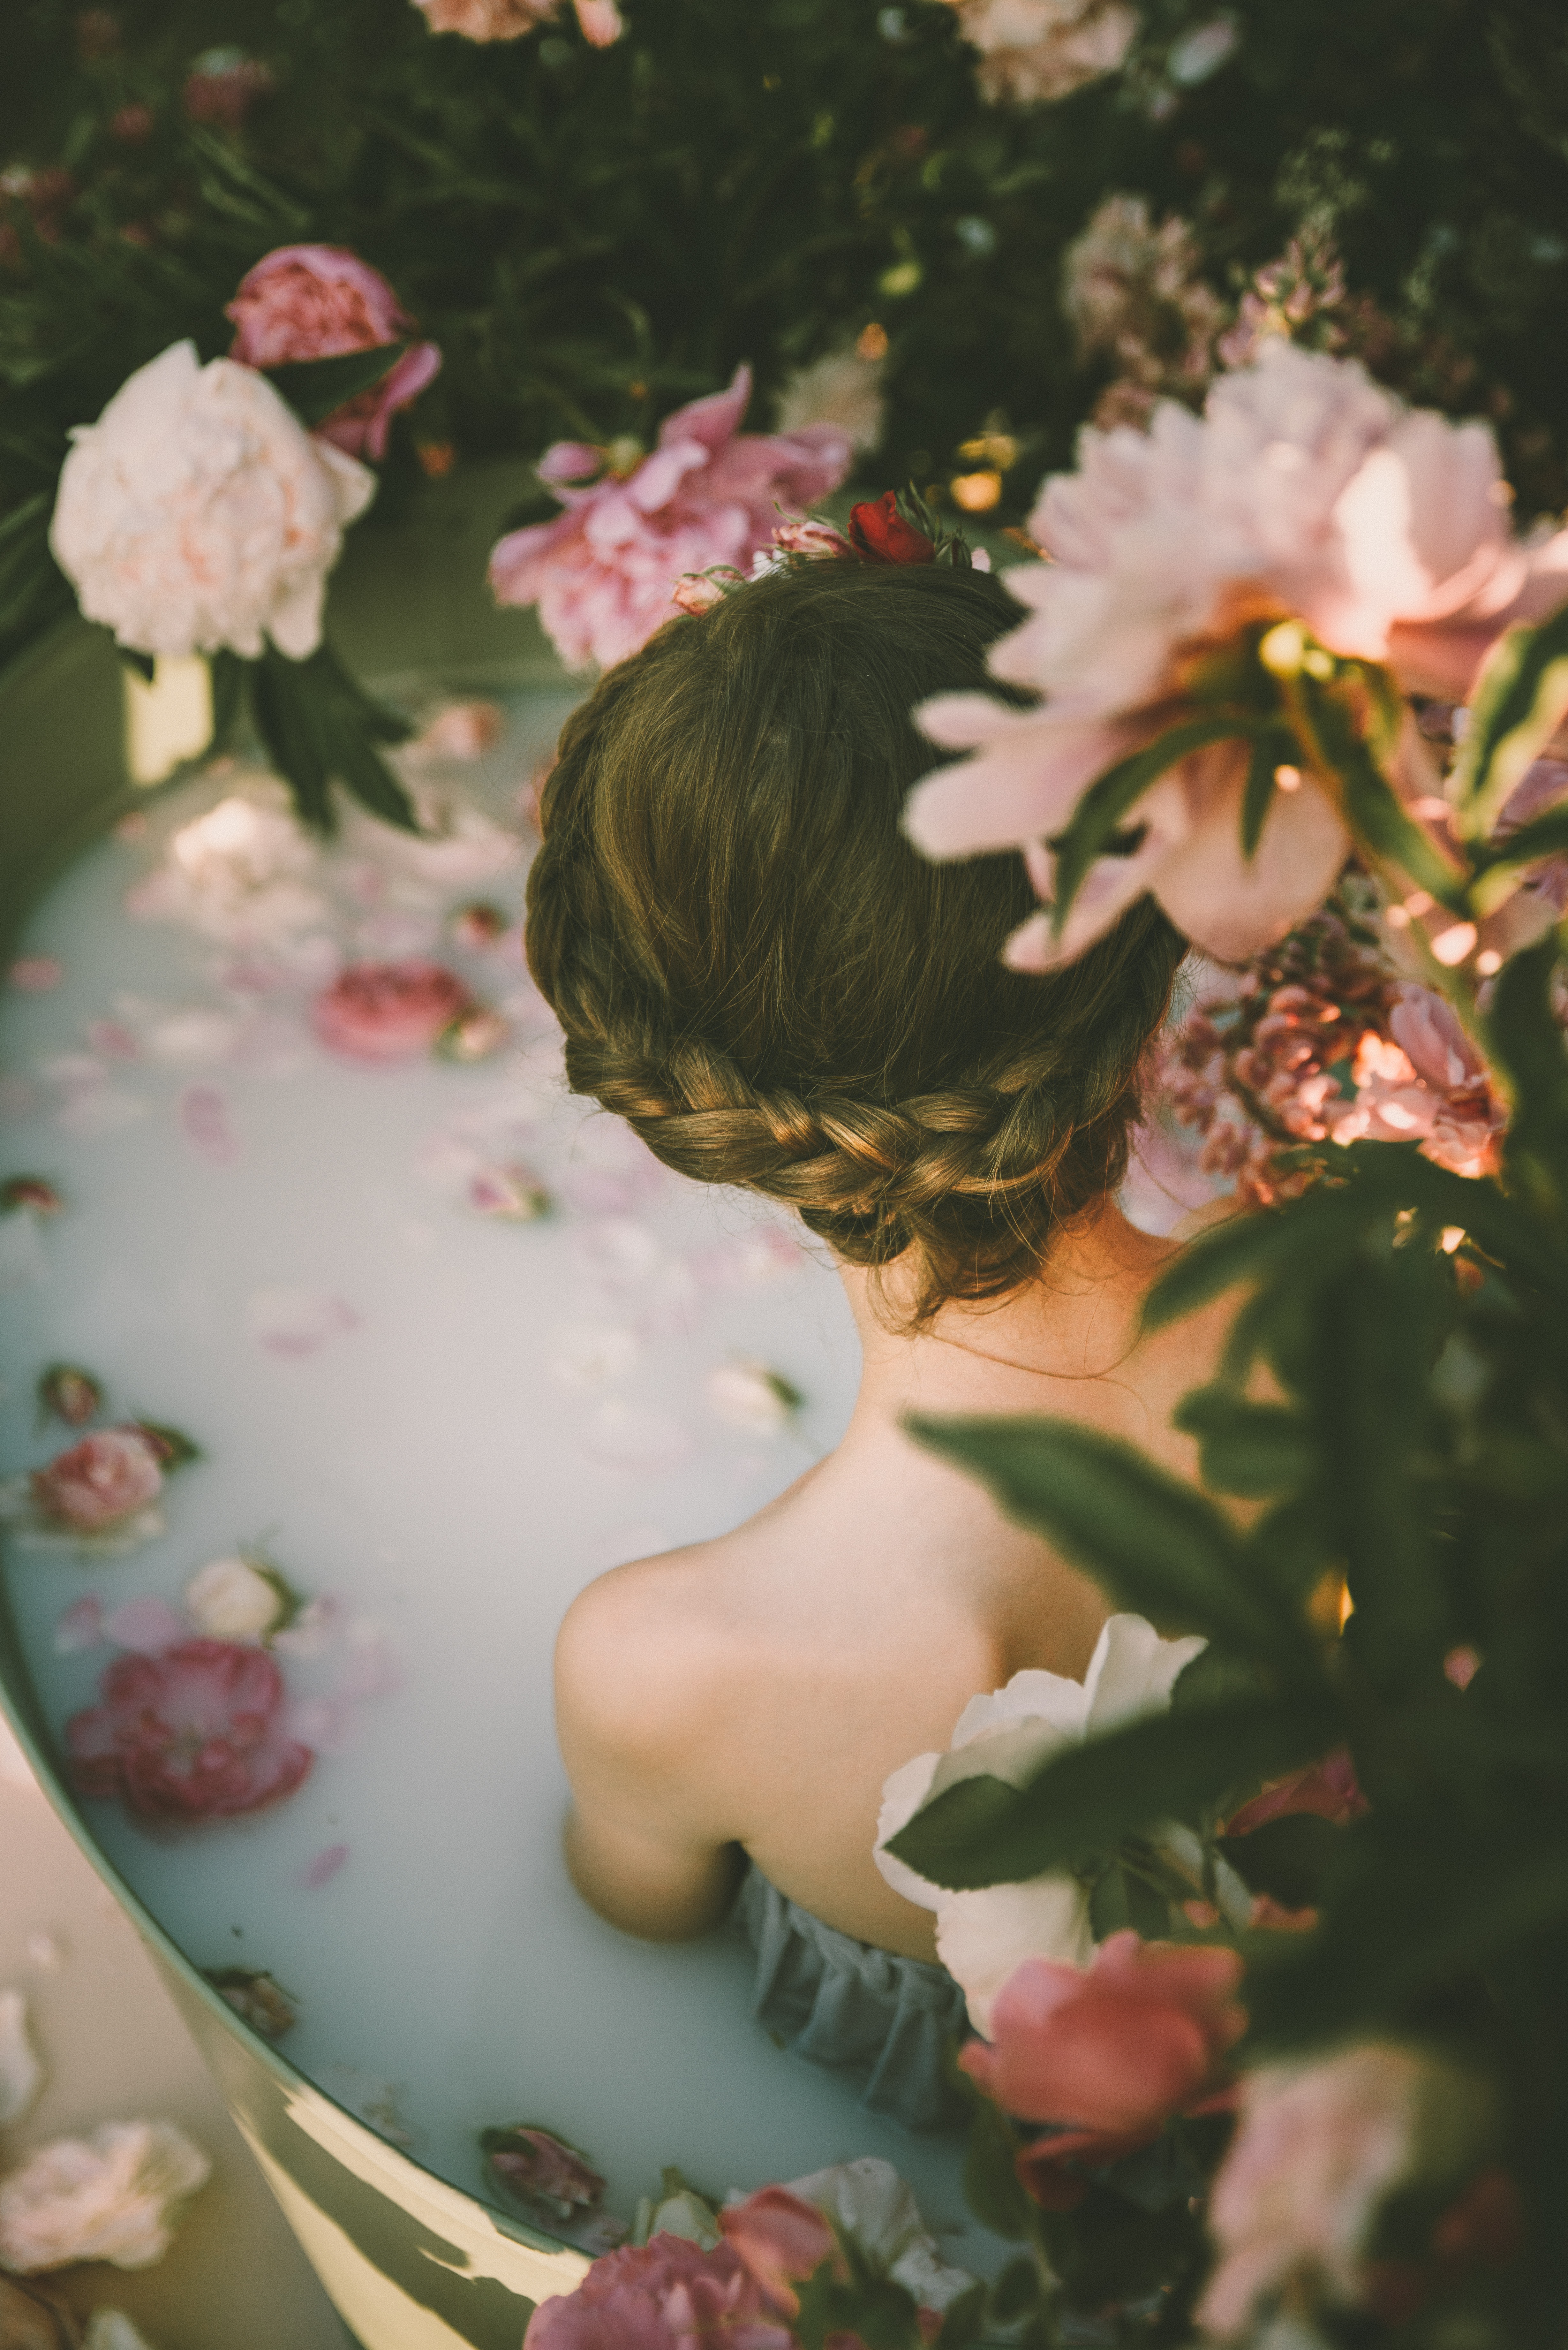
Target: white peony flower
982,1936
840,389
876,2209
113,2196
111,2329
230,1599
198,513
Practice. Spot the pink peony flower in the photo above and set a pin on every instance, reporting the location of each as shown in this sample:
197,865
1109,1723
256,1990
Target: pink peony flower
1425,1082
507,20
1114,2047
314,302
387,1011
604,573
1037,49
99,1482
782,2239
192,1734
667,2294
1318,2148
1303,491
1329,1789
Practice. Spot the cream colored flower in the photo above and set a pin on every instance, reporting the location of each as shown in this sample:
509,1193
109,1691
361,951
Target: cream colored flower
230,1599
1036,49
1010,1735
841,389
113,2196
199,514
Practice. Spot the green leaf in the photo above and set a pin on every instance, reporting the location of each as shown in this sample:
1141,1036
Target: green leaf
1547,837
991,2182
315,387
317,723
1287,1859
1087,1798
1259,796
1525,1038
1099,814
962,2320
1253,1449
1518,705
1154,1543
1015,2291
1376,812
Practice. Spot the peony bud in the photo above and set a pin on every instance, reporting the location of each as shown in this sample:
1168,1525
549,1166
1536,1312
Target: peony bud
257,1998
239,1599
514,1195
474,1035
70,1394
30,1193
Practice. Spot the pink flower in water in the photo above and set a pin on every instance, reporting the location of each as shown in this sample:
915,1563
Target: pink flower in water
507,20
191,1734
389,1010
316,302
1117,2046
669,2295
535,2165
99,1482
604,573
1304,491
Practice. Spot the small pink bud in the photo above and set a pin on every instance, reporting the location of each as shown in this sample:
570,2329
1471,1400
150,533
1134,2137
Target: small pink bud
473,1037
69,1394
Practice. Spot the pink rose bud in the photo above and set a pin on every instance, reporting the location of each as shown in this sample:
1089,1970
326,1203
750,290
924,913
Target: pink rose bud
474,1035
389,1010
100,1482
814,538
477,927
319,301
1118,2046
512,1195
69,1394
697,593
32,1192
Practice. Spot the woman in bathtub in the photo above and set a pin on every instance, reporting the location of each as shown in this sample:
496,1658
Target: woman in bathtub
754,968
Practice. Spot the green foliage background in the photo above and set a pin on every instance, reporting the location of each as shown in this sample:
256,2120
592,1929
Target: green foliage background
593,236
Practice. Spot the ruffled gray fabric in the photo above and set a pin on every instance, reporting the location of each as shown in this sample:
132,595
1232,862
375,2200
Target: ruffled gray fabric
889,2021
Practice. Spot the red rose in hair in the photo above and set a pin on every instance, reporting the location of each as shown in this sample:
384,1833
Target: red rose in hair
881,534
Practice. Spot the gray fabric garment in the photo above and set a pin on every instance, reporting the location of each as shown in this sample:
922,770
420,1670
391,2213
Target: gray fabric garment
889,2022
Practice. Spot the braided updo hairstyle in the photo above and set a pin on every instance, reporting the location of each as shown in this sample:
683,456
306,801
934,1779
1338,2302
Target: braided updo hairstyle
756,970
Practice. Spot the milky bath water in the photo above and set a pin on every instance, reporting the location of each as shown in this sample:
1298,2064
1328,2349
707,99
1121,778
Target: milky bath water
436,1414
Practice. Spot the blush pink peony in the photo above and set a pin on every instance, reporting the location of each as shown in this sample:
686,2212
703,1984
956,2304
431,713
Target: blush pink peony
1116,2047
604,573
99,1482
1036,49
192,1734
388,1011
667,2294
507,20
198,513
1303,491
115,2195
317,302
1424,1082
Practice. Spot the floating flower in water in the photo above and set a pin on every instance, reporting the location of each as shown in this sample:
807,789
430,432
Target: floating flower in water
316,301
464,730
238,874
662,2295
257,1997
1037,49
604,573
115,2195
192,1734
475,1037
69,1393
199,515
240,1598
476,927
101,1483
983,1936
390,1011
540,2169
32,1195
749,1395
511,1194
147,1625
21,2072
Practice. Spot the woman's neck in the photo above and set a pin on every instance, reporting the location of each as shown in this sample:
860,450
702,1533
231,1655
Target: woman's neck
1076,1323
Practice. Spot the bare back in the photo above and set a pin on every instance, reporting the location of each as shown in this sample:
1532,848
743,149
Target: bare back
750,1694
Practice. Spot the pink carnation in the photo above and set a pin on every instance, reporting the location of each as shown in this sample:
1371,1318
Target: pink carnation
317,302
669,2295
388,1011
192,1734
1303,491
507,20
99,1482
604,573
1116,2047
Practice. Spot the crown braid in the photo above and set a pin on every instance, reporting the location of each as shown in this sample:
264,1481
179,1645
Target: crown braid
975,1145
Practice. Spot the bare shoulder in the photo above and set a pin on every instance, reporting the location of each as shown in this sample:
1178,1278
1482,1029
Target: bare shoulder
646,1659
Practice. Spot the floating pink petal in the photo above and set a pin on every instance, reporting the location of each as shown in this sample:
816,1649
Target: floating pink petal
294,1323
146,1626
324,1866
203,1115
